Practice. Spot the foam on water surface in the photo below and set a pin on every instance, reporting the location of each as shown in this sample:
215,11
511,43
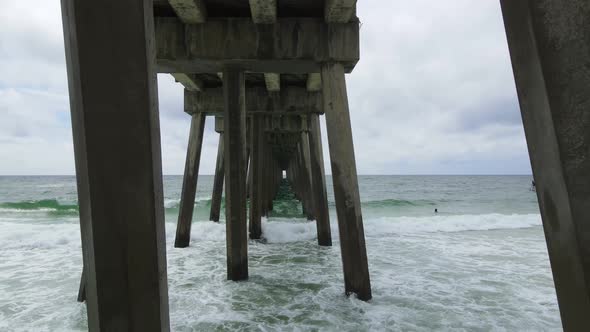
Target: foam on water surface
480,264
431,277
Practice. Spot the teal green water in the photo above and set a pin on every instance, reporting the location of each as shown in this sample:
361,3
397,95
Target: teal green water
478,264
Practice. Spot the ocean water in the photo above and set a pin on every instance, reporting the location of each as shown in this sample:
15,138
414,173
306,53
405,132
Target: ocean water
480,264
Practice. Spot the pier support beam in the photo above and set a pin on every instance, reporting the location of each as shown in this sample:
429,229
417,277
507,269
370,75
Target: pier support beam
189,182
115,126
218,181
82,288
344,176
256,186
307,181
268,180
235,174
549,44
319,182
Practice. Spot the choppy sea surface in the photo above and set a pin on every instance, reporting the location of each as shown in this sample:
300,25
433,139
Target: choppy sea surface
480,264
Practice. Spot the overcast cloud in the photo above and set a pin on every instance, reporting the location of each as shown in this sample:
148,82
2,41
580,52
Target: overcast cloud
432,94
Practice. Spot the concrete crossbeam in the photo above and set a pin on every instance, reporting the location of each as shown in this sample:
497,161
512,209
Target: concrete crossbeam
339,11
189,11
272,82
314,82
190,82
288,100
292,45
263,11
278,123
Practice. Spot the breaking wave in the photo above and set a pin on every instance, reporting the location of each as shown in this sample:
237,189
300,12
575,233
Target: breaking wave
398,203
51,206
451,223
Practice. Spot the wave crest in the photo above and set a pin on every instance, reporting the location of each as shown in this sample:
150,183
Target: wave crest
451,223
43,205
398,203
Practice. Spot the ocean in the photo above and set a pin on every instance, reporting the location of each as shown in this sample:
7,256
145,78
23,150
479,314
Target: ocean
480,264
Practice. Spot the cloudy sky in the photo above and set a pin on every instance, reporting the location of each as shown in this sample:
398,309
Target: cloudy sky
432,94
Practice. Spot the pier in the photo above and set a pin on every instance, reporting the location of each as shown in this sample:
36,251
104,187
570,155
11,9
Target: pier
266,71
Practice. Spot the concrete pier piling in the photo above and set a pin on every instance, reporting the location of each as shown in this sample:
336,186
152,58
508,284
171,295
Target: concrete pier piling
307,163
216,196
116,136
82,288
320,196
346,192
256,189
306,185
189,182
235,173
549,44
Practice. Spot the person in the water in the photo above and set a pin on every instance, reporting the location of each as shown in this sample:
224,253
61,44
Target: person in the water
435,210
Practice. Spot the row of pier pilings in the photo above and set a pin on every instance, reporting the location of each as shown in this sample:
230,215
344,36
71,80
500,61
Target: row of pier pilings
277,141
114,49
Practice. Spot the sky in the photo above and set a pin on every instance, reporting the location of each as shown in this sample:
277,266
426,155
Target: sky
433,93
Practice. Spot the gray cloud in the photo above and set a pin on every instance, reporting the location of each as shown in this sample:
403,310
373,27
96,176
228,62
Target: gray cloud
433,93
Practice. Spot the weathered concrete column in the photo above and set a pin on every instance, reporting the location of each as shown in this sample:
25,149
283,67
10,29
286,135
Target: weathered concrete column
235,173
549,45
307,181
248,172
115,126
319,181
297,177
293,168
344,176
289,172
218,181
276,179
268,181
189,182
301,179
256,170
264,178
82,287
248,155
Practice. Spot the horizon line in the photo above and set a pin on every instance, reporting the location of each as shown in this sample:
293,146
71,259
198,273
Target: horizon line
408,174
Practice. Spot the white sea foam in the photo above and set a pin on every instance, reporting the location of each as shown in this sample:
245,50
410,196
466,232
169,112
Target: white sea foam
201,231
171,202
30,211
288,230
436,276
16,235
451,223
175,202
277,230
